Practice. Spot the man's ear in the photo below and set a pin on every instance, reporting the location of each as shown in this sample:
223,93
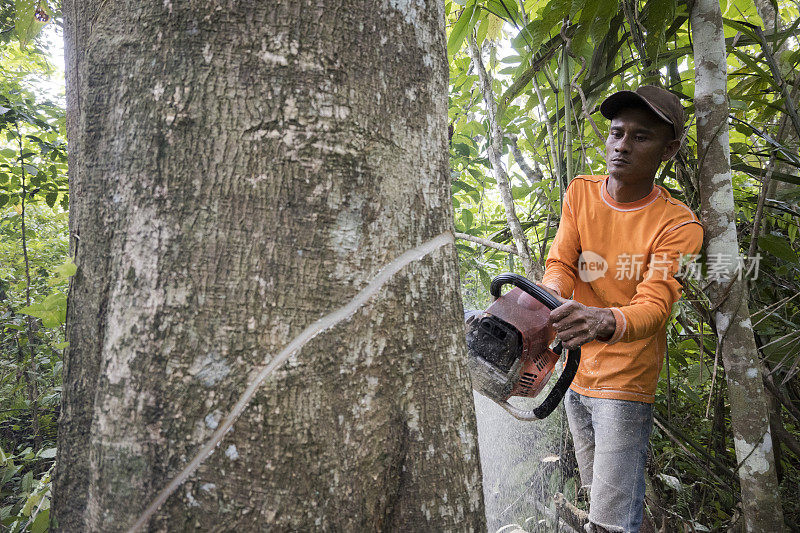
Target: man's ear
671,149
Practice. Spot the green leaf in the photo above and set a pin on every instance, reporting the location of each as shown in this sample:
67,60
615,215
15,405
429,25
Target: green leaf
506,10
66,269
547,24
42,522
48,453
11,520
27,482
462,27
467,218
461,149
518,193
513,59
52,312
778,247
8,152
483,29
660,13
485,279
32,502
30,169
25,24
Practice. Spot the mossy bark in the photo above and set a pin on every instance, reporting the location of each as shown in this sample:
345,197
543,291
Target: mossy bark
239,170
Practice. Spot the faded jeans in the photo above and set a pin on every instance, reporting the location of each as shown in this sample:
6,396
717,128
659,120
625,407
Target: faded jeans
610,439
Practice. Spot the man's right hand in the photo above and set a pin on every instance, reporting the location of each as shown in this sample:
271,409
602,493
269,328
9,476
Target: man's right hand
576,324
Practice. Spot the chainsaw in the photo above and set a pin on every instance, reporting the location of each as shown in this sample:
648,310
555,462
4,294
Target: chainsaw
509,350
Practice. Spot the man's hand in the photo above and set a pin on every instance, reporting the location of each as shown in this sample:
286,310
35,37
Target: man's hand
577,324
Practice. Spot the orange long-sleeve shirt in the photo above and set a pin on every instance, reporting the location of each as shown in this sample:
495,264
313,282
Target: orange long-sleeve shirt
622,256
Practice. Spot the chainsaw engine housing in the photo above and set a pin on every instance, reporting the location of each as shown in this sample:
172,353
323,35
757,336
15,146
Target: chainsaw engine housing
509,352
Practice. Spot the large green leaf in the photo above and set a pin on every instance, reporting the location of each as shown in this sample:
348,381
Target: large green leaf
778,246
26,25
504,9
52,311
466,21
659,14
755,171
467,218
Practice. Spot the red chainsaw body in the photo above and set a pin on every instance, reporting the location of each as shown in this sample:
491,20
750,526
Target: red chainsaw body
530,317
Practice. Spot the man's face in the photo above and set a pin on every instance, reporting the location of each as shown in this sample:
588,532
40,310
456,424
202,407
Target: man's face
638,141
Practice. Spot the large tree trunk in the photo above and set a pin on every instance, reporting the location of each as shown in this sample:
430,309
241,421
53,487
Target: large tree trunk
736,344
238,171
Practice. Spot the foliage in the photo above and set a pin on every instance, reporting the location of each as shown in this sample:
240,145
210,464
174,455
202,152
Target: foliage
540,53
29,475
34,268
594,48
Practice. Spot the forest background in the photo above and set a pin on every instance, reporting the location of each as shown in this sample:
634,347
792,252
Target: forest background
526,80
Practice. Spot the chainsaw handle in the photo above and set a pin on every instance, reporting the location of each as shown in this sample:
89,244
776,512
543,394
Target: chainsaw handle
526,285
573,356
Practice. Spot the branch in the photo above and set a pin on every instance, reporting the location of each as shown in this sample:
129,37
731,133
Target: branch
765,185
637,34
787,439
523,79
770,384
791,108
555,166
522,12
574,517
584,105
486,242
33,390
532,270
534,176
673,433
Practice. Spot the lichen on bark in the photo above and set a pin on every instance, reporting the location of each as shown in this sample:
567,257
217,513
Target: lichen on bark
728,292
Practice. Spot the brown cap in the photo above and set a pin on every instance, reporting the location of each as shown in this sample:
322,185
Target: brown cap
662,102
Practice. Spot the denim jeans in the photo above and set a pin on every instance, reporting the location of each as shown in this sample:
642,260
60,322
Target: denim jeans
610,439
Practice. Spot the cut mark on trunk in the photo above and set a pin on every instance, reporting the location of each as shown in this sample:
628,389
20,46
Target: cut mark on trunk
259,375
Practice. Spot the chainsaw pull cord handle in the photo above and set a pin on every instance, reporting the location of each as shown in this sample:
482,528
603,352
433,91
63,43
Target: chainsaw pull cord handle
573,356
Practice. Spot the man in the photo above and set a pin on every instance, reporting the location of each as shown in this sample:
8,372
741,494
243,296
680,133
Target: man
616,252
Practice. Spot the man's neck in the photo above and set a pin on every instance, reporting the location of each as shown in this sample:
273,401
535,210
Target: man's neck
624,193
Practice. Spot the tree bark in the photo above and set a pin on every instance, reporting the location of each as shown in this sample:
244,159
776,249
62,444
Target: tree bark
237,172
728,294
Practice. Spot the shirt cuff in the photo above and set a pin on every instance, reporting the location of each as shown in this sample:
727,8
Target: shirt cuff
553,288
619,330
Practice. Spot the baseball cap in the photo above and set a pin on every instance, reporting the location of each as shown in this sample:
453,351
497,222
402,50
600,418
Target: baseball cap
662,102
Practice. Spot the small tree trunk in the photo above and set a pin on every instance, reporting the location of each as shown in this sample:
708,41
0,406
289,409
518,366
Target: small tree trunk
239,171
728,295
532,269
